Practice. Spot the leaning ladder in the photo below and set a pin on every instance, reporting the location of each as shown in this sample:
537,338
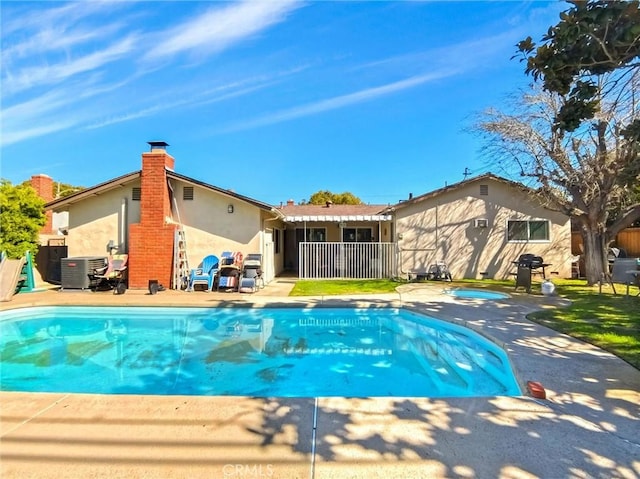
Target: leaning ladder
180,259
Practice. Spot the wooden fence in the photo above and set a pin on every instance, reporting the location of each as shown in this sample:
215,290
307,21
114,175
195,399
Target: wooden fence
628,240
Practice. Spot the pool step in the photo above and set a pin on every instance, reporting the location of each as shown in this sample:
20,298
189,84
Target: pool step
323,322
327,351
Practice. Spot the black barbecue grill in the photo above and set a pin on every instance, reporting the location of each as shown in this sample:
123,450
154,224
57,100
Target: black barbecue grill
531,261
529,264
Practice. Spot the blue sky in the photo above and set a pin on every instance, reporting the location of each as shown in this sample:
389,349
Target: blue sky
274,100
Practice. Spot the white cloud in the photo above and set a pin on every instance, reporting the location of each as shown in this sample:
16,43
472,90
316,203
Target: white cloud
41,115
54,39
220,28
11,137
49,74
32,118
204,97
41,18
40,105
463,56
68,47
342,101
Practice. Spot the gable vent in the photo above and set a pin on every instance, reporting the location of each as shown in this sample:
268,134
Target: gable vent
187,193
136,193
484,190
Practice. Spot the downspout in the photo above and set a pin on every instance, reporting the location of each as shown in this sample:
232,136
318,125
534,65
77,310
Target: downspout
123,230
437,228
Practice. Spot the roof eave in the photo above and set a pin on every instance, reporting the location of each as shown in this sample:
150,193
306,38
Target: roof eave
61,204
228,193
335,218
455,186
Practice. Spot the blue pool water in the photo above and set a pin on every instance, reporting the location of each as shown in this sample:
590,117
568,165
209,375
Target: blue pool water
249,352
476,293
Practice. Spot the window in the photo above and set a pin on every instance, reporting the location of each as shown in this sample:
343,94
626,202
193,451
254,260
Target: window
187,193
356,235
316,235
276,241
136,194
531,230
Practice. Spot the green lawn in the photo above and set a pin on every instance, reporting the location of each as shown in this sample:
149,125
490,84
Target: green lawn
609,321
343,286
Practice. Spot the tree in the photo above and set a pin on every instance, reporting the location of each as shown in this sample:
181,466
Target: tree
21,218
322,196
577,137
592,39
62,190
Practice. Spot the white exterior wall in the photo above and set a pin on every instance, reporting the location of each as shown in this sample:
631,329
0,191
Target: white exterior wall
442,228
211,229
97,220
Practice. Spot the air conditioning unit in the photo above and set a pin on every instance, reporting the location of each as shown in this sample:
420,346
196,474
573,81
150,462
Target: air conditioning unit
75,271
481,223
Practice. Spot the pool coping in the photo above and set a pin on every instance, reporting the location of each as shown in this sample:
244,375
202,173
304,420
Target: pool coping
591,413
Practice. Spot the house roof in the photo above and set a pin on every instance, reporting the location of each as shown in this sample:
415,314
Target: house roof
288,212
331,212
456,186
61,204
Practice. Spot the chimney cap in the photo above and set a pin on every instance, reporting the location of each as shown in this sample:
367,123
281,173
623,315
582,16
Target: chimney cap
158,145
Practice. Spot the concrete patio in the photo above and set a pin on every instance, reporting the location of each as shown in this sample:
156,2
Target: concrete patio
589,425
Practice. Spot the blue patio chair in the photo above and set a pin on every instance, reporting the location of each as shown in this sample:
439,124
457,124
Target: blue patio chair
204,273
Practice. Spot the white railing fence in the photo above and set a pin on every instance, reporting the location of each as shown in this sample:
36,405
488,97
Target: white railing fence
347,260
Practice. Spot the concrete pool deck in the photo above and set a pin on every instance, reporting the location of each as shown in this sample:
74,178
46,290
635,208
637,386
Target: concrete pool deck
589,425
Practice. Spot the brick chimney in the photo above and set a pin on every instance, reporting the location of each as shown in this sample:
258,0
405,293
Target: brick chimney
43,184
290,203
151,241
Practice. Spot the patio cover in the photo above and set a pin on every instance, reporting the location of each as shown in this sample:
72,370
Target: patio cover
294,218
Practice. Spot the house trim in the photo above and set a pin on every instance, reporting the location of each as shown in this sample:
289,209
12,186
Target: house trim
334,218
456,186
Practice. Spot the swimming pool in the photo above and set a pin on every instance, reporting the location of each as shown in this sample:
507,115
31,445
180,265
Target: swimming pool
475,293
264,352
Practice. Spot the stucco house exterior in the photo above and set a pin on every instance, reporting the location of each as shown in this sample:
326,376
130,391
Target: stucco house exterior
141,212
478,227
